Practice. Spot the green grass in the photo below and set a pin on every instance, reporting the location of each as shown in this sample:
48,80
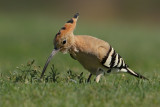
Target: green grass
25,38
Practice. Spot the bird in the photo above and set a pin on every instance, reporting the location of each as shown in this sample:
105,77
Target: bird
95,55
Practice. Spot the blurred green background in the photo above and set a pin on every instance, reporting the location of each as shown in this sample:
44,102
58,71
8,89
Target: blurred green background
132,27
27,29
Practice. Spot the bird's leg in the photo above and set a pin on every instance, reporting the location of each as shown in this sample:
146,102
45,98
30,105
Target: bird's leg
109,71
89,78
98,77
99,74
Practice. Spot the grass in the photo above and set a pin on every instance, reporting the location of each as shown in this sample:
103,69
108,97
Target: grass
64,84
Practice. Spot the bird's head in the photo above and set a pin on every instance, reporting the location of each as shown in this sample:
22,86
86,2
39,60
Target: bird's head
63,40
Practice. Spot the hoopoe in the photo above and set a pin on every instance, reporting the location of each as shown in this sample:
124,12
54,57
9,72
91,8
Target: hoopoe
96,55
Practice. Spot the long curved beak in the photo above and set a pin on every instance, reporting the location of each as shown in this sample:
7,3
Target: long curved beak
48,60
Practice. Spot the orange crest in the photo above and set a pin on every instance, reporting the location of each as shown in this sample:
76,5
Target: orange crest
69,26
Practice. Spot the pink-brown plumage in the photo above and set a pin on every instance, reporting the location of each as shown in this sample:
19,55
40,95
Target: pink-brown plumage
96,55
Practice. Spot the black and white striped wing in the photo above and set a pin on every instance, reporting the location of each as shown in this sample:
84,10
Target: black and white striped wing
113,60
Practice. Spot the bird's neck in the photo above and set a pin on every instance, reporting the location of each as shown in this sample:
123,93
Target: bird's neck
73,43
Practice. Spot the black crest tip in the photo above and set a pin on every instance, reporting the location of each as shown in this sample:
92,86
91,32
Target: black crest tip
70,21
76,15
58,33
63,28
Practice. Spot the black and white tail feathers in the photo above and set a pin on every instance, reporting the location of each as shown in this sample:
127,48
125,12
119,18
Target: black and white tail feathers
113,60
136,74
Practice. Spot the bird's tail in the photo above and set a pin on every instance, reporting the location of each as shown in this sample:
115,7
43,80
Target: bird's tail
136,74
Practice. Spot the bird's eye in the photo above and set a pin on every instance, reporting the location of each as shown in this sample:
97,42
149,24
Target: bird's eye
64,42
